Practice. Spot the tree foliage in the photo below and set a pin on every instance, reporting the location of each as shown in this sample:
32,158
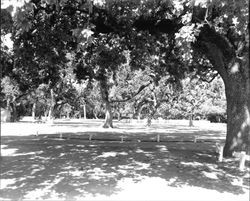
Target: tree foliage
206,37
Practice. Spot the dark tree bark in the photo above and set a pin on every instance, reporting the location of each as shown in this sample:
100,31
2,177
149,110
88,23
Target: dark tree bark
235,72
237,88
14,116
11,106
153,106
108,123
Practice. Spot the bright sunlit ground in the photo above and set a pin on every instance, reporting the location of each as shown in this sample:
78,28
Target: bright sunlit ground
79,160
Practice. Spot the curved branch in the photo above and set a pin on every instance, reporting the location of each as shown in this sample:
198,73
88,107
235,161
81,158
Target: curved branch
133,96
209,81
209,35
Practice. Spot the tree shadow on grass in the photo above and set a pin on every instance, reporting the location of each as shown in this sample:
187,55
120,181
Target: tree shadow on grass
52,168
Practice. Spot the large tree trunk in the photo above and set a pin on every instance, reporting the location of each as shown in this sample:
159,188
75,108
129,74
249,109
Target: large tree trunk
11,106
235,72
238,109
152,108
108,123
14,116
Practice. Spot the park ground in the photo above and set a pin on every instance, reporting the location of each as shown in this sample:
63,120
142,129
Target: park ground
79,160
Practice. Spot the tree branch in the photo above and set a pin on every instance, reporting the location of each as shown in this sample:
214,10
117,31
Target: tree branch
131,97
209,81
209,35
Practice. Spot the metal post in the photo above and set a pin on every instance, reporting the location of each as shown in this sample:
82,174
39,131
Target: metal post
221,153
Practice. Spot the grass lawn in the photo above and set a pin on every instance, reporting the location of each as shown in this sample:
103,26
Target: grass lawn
59,162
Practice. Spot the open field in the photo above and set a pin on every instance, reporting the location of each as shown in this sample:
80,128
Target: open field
166,128
59,162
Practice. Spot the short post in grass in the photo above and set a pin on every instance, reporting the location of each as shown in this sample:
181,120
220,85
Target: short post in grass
220,148
221,154
242,160
36,133
122,138
158,138
195,139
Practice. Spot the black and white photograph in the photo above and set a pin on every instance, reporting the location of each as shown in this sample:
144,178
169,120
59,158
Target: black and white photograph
125,100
